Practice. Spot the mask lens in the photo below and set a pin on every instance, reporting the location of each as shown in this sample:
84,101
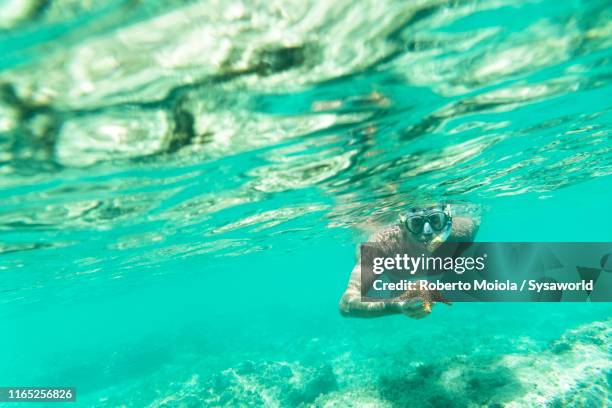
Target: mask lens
437,220
415,224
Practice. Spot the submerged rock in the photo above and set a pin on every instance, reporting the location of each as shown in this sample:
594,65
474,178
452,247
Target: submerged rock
576,374
573,371
257,384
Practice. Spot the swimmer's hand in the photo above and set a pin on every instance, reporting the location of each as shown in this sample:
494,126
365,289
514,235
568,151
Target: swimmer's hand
418,303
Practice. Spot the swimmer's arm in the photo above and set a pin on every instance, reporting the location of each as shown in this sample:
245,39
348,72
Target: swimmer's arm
352,305
465,228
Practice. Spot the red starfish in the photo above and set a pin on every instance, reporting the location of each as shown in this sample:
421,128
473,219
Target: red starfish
428,297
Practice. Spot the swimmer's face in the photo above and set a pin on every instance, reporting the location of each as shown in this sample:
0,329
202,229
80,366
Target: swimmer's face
429,224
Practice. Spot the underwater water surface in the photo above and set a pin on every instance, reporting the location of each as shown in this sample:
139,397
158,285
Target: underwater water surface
183,186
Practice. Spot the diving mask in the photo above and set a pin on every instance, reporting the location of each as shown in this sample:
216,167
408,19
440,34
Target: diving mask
437,219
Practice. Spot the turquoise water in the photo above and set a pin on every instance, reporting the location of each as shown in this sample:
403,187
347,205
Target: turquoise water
183,186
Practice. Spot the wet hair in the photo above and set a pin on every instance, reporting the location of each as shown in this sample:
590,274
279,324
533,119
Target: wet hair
425,207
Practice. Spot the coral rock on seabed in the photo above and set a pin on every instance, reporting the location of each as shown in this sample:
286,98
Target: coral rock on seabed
259,384
573,372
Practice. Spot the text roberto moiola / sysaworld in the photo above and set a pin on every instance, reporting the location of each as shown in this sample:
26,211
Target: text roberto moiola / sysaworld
405,264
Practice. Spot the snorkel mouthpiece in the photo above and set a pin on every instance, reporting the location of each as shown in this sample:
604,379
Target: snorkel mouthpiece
443,236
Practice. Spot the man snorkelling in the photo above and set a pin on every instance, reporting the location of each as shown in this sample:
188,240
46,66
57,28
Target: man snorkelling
420,230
